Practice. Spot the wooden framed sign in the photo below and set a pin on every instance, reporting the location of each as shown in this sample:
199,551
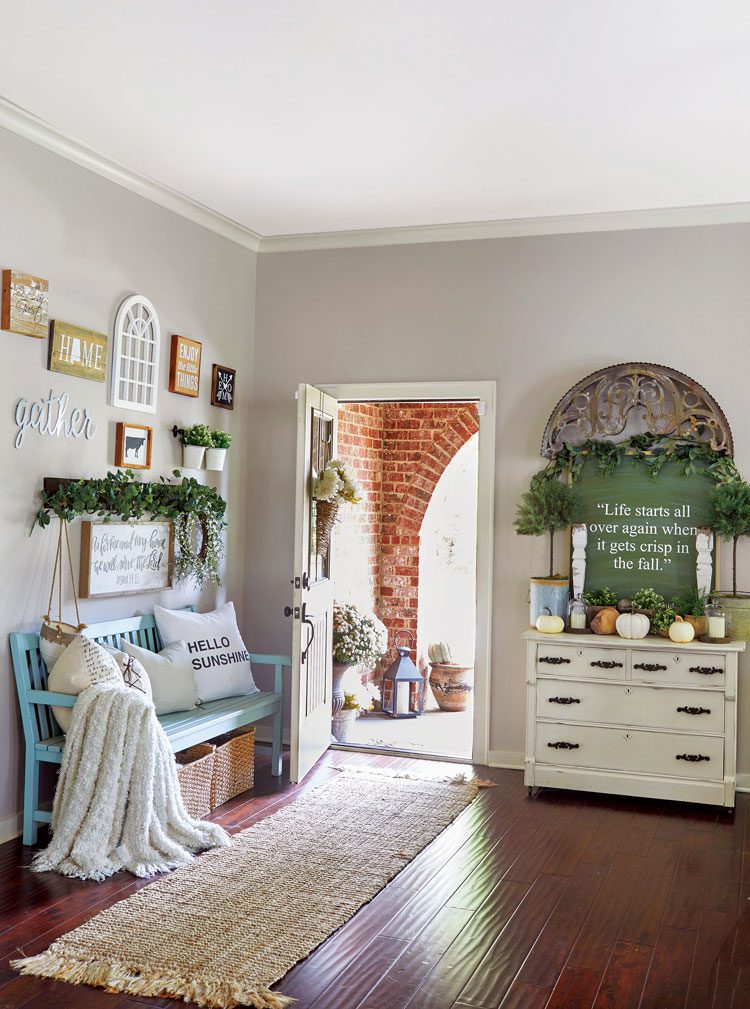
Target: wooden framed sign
125,557
185,366
25,304
222,387
133,444
76,351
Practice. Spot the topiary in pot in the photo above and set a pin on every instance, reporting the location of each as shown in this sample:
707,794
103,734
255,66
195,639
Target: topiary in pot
547,507
216,452
729,517
195,440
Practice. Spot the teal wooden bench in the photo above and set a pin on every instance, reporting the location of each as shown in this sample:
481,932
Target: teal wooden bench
45,741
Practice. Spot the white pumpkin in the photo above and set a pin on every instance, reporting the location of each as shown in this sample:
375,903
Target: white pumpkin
633,625
550,623
681,632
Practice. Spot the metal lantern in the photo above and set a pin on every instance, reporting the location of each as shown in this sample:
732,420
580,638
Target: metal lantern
400,675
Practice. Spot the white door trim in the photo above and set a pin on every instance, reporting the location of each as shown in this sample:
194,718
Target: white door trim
485,392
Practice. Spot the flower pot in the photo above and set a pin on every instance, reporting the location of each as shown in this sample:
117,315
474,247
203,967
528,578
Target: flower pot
737,609
551,594
192,456
700,624
451,685
215,458
340,669
341,724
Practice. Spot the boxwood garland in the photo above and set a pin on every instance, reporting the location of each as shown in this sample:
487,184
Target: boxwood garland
190,505
649,450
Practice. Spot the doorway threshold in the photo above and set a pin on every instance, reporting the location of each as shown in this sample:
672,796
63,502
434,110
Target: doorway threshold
393,751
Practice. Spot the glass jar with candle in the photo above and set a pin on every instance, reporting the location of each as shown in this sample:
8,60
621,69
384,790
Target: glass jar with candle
717,621
577,610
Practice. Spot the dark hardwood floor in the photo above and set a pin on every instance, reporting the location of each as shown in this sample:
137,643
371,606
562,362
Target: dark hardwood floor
566,901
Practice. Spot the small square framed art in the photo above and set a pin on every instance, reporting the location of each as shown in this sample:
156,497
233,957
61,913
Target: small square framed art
133,443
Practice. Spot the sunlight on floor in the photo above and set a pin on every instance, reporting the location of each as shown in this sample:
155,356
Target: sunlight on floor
448,733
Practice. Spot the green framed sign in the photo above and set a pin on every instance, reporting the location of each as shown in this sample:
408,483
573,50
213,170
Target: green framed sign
641,530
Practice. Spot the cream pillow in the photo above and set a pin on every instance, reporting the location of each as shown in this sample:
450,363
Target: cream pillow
132,672
219,658
83,663
171,675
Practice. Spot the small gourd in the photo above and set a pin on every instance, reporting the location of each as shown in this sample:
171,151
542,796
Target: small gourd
633,625
549,622
605,621
681,632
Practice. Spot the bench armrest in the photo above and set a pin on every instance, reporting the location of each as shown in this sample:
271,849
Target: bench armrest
279,662
50,697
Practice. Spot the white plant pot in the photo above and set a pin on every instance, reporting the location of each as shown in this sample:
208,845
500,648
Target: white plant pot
215,458
192,456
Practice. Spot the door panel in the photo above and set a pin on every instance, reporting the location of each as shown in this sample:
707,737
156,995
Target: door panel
312,662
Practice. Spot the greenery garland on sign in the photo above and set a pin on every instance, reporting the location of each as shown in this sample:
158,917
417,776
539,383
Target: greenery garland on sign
193,507
650,450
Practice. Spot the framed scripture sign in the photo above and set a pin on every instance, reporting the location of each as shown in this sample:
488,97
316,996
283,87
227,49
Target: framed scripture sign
77,351
222,387
639,531
125,557
185,366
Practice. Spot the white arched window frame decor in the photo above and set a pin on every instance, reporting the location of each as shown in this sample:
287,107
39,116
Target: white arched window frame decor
135,357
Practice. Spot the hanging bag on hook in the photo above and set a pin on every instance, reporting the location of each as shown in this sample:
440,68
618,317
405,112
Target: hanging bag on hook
56,635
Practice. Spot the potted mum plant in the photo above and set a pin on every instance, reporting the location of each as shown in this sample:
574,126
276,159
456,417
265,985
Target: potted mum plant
729,517
332,488
547,506
195,440
359,639
216,452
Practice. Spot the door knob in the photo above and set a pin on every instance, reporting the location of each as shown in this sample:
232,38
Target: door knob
288,611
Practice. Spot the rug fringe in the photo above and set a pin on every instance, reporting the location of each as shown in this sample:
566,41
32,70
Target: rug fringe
213,993
460,778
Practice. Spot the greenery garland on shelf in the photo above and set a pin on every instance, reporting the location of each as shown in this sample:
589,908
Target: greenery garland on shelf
193,507
653,451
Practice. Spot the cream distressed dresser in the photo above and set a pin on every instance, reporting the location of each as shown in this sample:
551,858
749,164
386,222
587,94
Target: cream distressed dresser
643,717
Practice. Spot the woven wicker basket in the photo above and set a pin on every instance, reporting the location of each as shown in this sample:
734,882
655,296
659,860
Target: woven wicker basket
234,765
195,772
326,513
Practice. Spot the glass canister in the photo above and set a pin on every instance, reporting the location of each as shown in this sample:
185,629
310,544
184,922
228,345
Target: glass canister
577,610
716,618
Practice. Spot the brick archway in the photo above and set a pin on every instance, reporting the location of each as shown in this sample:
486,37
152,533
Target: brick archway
399,451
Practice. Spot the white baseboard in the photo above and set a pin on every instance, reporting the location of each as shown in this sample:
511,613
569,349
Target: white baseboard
264,734
506,758
10,827
743,783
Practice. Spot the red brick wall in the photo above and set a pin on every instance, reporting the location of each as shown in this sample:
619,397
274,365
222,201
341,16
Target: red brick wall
399,451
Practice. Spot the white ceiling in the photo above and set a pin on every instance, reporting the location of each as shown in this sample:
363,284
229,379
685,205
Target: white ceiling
296,116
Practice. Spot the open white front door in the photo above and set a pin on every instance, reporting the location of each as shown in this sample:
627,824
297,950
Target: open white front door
312,606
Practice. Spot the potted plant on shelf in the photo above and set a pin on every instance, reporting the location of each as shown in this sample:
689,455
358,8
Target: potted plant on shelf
691,606
546,507
647,601
195,440
661,620
343,720
359,639
216,452
597,600
729,517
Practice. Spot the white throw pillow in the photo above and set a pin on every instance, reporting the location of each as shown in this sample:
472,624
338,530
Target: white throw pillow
83,663
220,660
132,671
171,675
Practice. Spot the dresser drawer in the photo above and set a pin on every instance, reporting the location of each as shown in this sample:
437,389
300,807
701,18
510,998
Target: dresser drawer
568,660
630,704
571,745
679,666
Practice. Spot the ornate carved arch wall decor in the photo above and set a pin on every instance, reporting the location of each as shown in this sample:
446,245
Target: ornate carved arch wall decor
668,403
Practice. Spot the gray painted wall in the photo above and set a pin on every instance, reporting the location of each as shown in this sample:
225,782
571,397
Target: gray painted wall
536,314
96,243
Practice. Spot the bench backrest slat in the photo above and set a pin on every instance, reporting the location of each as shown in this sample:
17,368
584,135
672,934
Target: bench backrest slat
31,673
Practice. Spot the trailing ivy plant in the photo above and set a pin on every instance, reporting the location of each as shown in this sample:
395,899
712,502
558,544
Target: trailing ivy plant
197,511
651,451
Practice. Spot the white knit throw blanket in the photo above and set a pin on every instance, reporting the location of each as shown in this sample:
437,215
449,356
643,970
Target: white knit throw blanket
117,803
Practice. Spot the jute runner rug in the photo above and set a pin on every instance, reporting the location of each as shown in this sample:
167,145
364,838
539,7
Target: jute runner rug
223,929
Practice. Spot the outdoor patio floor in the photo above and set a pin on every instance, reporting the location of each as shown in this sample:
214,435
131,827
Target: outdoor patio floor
446,733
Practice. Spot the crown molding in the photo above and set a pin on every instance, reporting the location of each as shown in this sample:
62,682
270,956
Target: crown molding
30,127
567,224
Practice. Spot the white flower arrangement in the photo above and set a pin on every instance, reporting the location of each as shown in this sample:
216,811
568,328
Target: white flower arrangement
337,482
358,638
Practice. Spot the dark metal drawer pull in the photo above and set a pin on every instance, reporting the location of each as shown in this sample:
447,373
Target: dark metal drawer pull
706,670
694,758
695,711
650,667
553,660
568,746
601,664
565,700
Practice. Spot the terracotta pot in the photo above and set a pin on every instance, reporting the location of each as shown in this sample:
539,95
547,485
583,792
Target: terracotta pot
451,685
340,669
700,624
